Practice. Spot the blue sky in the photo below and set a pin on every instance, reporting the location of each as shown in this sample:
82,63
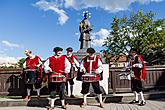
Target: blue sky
41,25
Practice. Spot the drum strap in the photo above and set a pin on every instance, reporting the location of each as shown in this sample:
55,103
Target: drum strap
90,66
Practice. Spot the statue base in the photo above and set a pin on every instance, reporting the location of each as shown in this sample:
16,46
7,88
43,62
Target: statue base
80,54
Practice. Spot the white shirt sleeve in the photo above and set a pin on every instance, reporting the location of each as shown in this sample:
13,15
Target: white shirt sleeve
76,62
139,64
82,68
100,66
47,69
67,66
39,63
24,64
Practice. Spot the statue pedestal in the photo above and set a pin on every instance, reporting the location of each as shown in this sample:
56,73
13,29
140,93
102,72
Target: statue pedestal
80,54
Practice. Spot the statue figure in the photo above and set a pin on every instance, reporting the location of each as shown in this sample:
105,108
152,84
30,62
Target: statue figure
85,29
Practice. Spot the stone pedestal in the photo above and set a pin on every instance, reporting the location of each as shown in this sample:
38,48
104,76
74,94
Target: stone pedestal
81,54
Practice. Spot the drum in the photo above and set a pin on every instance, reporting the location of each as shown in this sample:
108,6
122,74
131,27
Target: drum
57,78
124,76
30,76
89,78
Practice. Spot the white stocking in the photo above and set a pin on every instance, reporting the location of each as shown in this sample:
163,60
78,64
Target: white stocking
28,92
52,102
136,95
142,97
100,98
38,91
85,98
62,102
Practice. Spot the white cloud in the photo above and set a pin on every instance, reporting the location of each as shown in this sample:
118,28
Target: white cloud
8,60
44,5
148,1
2,53
10,45
99,37
77,34
109,5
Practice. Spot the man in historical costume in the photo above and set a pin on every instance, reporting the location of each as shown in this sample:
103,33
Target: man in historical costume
85,28
91,64
74,68
34,63
138,74
57,64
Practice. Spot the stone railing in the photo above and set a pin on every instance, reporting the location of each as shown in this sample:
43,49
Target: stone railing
10,84
155,79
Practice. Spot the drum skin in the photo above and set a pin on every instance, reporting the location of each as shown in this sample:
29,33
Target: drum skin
30,76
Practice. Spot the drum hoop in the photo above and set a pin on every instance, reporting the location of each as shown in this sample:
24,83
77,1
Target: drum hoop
89,75
60,76
30,70
63,79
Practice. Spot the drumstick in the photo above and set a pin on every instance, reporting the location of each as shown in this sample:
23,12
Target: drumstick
62,71
55,72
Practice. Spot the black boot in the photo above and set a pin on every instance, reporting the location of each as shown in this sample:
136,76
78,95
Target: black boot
133,102
142,103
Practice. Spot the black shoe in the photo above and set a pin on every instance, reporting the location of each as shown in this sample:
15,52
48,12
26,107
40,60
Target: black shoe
142,103
49,108
133,102
64,107
72,96
101,105
83,105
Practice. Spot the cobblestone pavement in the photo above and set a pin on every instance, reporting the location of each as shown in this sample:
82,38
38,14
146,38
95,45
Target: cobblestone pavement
151,105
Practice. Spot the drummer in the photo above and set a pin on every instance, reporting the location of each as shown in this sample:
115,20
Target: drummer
33,62
74,67
57,64
91,63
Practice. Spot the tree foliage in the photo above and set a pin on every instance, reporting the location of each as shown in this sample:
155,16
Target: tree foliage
140,31
20,62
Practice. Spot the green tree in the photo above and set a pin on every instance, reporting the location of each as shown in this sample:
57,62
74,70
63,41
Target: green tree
117,42
20,62
140,31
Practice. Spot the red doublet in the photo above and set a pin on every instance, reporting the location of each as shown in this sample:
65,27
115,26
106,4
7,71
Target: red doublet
139,73
94,65
32,64
57,64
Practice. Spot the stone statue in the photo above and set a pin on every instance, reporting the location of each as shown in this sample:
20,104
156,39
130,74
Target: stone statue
85,29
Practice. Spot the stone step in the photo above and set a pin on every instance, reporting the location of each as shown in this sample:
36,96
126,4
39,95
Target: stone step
110,98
